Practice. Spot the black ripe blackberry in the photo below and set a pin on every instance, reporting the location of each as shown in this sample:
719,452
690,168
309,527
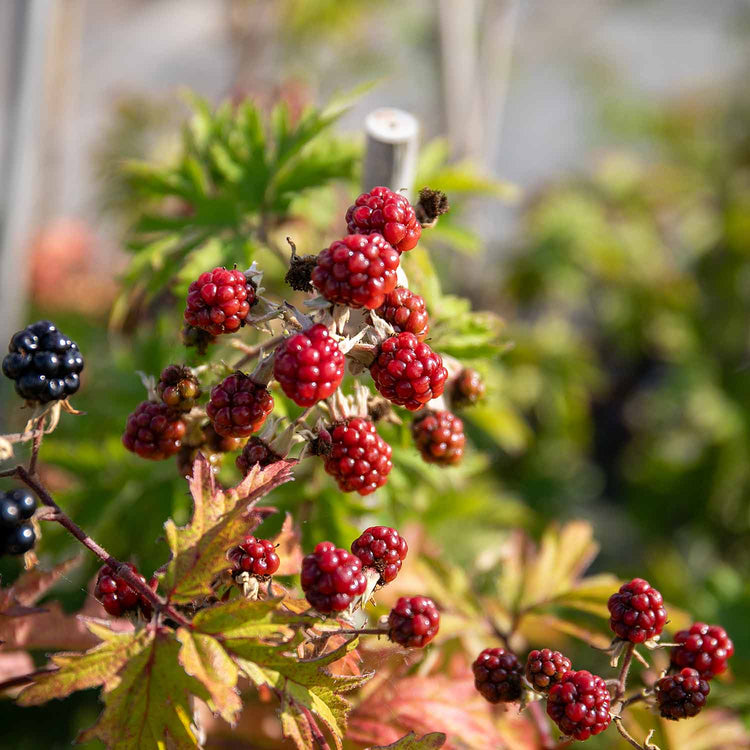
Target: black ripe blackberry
16,532
44,363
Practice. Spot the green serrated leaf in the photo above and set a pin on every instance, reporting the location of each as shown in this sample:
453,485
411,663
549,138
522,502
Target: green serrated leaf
242,618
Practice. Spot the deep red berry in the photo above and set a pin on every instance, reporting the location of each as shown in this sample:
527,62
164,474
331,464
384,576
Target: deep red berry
154,431
579,704
387,213
309,366
405,311
439,436
255,556
256,451
220,443
239,406
116,595
357,271
407,372
413,622
332,578
383,549
497,675
636,611
218,301
682,695
359,459
178,388
705,648
545,668
468,388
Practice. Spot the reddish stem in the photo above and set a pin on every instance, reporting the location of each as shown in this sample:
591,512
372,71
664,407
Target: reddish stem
318,736
542,726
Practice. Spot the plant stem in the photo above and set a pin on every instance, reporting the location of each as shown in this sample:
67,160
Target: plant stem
320,740
23,679
624,732
542,725
252,353
36,444
623,676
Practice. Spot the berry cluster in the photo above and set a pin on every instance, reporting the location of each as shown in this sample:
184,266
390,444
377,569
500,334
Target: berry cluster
178,388
219,301
117,596
636,612
255,556
439,437
383,549
154,431
17,534
332,578
413,622
545,668
44,363
406,312
256,451
239,406
387,213
497,675
682,695
468,388
579,704
705,648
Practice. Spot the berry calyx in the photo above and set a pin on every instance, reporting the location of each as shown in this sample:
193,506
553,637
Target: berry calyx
439,437
44,363
579,704
116,595
309,365
17,535
406,312
407,372
357,271
468,388
239,406
413,622
681,695
545,668
359,459
154,431
218,301
255,556
256,451
332,578
497,675
387,213
178,388
636,611
705,648
381,548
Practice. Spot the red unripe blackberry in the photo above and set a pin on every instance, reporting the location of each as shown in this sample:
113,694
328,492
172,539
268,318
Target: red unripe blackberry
256,451
332,578
359,459
387,213
239,406
636,611
405,311
381,548
497,675
413,622
218,301
357,271
545,668
439,436
178,388
116,595
468,388
309,365
220,443
255,556
154,431
407,372
681,695
579,704
705,648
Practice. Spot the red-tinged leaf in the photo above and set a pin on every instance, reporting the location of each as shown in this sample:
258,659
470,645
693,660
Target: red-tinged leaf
294,724
33,584
288,548
15,664
219,518
431,741
150,704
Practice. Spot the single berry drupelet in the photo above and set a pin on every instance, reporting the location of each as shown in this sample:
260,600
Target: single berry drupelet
359,459
178,388
381,548
218,301
17,535
636,612
116,595
579,704
407,372
681,695
545,668
468,388
309,365
256,451
406,312
358,271
332,578
154,431
705,648
413,622
44,363
255,556
497,675
387,213
439,437
239,406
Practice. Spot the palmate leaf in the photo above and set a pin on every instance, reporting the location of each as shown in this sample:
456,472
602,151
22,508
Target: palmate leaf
219,518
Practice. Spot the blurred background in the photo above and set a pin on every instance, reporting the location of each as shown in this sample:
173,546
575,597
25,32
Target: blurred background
597,154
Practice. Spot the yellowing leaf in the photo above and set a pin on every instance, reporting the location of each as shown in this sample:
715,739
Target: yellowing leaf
431,741
241,618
